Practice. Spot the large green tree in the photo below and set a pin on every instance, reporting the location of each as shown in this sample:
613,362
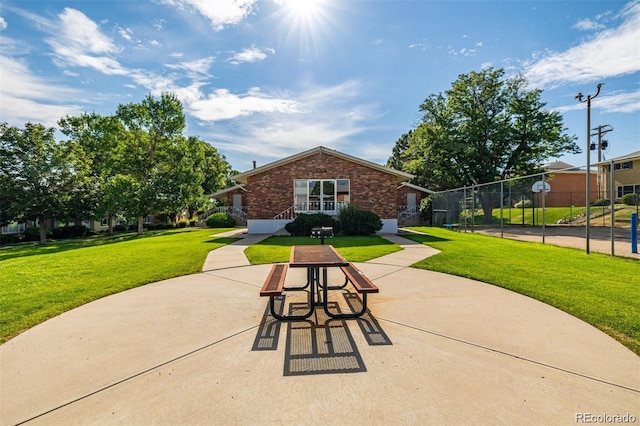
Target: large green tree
97,138
42,176
483,128
153,128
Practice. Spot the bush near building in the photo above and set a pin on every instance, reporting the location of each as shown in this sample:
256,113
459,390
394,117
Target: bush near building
220,220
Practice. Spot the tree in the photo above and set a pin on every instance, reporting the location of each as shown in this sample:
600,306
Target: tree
151,130
41,175
485,126
97,137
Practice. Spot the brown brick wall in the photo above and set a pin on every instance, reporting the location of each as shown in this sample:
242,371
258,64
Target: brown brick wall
568,189
271,192
401,195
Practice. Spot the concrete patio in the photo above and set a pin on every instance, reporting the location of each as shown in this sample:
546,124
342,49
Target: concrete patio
447,350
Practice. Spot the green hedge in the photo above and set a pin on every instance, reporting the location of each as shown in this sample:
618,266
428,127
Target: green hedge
220,220
303,223
357,221
630,199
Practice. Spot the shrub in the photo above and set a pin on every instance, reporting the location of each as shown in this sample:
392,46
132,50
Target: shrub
32,233
303,223
182,224
120,228
601,202
69,231
193,222
220,220
521,204
630,199
425,208
356,221
10,238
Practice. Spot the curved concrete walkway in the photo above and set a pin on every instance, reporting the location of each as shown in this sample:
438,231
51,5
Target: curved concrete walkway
180,352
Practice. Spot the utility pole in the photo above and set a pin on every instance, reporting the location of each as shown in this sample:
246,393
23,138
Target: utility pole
601,145
580,97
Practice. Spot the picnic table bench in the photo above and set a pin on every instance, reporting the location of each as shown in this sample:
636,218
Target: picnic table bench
274,284
451,226
314,258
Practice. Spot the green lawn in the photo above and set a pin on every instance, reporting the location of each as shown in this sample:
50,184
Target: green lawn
599,289
40,282
552,215
354,249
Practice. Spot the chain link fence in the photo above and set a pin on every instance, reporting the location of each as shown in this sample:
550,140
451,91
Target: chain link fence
550,208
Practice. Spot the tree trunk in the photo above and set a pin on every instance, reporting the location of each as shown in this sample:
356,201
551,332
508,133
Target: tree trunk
487,202
110,223
140,225
43,230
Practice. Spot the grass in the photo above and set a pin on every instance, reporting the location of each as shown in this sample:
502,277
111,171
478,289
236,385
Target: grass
598,289
552,215
42,281
354,249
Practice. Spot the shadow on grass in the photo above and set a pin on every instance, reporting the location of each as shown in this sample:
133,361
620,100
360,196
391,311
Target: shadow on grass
58,246
424,238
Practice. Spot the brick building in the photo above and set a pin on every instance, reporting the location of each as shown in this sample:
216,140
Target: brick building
320,180
568,185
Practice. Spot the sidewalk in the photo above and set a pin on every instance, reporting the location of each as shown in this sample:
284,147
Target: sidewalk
184,351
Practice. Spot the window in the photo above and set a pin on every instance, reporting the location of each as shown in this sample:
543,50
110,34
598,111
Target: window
628,189
320,195
627,165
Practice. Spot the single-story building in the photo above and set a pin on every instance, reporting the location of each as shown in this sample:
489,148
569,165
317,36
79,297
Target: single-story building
320,180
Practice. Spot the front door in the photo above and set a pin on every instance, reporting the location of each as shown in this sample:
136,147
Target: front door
237,201
411,202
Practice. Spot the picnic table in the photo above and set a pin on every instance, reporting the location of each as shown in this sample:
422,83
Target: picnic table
451,226
316,259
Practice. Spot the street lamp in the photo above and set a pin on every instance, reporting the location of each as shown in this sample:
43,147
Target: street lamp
579,97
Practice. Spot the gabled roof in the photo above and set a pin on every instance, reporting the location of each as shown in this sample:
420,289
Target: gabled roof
416,187
630,156
400,176
560,166
224,191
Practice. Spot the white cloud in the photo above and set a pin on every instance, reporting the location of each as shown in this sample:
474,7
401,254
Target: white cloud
195,69
612,103
32,98
588,25
280,126
250,54
125,33
3,24
611,52
220,13
224,105
79,42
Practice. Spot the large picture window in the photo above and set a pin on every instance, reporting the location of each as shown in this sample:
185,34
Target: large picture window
320,195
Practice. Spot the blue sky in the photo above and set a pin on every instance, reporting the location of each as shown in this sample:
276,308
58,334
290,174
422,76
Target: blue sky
261,80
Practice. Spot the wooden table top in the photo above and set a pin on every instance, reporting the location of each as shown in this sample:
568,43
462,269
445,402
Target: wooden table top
315,256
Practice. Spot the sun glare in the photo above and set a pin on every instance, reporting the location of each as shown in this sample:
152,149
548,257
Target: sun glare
309,24
303,8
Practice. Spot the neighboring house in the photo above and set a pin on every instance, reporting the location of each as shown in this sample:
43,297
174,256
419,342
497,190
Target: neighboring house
569,185
320,180
626,175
